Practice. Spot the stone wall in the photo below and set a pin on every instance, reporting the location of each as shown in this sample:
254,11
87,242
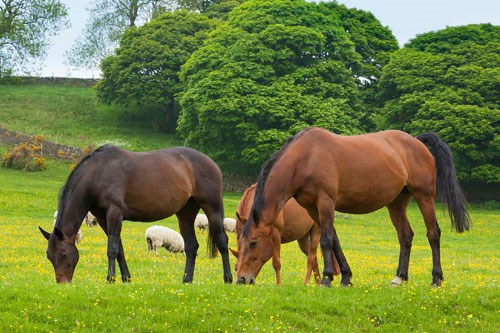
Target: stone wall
51,149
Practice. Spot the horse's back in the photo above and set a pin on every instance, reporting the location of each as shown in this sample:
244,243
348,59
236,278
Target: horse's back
363,172
155,184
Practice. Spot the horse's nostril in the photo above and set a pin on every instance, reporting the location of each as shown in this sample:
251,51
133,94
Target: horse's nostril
241,280
252,281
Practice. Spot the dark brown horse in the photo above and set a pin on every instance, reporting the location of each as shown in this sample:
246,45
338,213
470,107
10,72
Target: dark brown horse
116,185
293,223
325,172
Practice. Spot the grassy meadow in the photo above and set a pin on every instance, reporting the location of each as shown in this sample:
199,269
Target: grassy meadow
157,301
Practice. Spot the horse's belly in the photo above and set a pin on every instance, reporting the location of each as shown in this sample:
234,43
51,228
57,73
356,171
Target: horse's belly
153,207
366,202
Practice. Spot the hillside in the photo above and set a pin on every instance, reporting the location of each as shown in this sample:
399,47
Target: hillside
73,116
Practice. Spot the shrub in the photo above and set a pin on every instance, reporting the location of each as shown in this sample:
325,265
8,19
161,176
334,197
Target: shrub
27,156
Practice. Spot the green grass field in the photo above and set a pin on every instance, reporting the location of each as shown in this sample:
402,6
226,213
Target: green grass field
157,301
73,116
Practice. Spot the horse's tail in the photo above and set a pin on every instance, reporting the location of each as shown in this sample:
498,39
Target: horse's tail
447,184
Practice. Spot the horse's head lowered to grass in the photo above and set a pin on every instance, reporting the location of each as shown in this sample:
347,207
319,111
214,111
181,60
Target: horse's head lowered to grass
62,253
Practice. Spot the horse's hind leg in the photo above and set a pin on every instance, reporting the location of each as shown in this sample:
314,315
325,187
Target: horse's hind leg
426,205
217,234
397,212
186,217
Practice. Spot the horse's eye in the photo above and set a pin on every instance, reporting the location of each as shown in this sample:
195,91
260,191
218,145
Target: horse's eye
253,245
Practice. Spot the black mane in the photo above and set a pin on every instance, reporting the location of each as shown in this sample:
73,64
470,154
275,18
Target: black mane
258,201
68,187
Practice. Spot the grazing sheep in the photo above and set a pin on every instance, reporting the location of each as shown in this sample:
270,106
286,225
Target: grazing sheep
158,236
79,236
90,220
201,222
230,224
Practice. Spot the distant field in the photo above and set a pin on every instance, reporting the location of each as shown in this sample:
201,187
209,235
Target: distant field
73,116
157,301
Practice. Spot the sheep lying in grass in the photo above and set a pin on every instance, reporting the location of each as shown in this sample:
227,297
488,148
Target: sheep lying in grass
158,236
201,222
230,224
79,236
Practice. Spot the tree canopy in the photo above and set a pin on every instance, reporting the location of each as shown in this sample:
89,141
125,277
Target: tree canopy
108,20
274,68
25,28
144,68
447,82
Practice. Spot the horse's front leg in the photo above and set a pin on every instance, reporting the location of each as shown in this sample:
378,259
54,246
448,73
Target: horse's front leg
123,265
277,255
328,242
345,270
115,248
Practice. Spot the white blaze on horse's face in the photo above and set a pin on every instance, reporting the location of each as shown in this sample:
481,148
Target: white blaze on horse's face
253,252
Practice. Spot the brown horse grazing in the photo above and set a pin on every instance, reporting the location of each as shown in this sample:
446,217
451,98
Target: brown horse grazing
116,185
292,223
325,172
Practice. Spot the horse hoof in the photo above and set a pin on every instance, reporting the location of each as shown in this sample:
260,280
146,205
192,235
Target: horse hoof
326,282
396,282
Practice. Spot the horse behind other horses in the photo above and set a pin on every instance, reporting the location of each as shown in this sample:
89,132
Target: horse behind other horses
116,185
292,223
359,174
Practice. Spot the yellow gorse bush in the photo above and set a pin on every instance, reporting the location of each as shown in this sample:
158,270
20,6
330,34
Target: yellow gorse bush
27,156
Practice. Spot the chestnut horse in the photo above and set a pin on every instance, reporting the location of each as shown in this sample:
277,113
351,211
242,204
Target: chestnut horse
292,223
359,174
116,185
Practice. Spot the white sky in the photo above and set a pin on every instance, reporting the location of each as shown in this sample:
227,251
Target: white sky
406,19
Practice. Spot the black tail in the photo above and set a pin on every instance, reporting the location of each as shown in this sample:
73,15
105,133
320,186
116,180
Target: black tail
447,184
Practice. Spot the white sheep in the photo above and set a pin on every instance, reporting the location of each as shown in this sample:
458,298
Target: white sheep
230,224
201,222
90,220
159,236
79,235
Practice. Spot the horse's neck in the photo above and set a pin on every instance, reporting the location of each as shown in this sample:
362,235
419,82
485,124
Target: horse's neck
275,199
71,219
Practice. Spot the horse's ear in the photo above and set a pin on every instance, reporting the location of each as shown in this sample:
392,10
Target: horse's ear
44,233
58,233
235,253
240,219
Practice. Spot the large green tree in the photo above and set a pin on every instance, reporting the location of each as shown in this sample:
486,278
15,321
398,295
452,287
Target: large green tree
448,82
274,68
25,29
144,68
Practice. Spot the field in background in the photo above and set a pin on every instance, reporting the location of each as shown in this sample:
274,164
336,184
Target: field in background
156,300
73,116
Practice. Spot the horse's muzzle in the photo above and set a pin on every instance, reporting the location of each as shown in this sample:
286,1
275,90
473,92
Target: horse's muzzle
243,280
